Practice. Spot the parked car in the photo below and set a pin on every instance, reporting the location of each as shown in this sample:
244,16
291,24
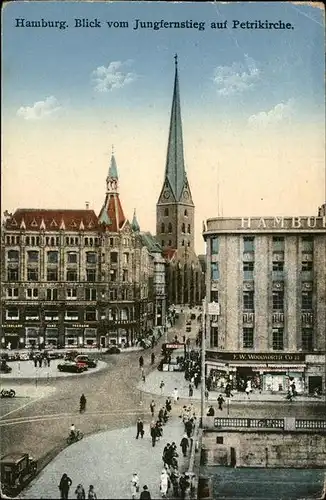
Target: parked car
70,366
17,469
70,355
24,356
113,350
83,358
4,367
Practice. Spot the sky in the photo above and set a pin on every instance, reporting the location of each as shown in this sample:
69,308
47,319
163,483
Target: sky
252,104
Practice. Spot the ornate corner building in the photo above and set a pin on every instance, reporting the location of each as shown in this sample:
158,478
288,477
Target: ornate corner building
175,214
266,286
70,278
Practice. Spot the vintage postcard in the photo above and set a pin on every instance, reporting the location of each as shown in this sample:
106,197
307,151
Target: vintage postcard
163,250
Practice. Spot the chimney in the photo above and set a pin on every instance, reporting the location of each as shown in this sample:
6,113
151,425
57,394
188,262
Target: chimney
87,205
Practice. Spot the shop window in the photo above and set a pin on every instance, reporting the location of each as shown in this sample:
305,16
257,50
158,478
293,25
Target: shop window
71,275
52,275
13,274
278,341
214,245
114,257
249,300
306,298
278,300
214,271
52,294
32,274
307,339
90,275
91,257
249,244
248,338
72,258
90,294
53,257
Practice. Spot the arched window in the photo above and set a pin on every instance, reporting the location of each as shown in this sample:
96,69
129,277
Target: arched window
186,213
170,228
183,227
183,243
166,212
162,227
52,242
188,228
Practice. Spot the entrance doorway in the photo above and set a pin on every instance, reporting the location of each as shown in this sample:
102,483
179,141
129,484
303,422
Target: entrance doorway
315,384
12,340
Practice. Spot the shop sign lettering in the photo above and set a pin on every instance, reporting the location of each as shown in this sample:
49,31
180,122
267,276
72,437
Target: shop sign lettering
260,357
283,223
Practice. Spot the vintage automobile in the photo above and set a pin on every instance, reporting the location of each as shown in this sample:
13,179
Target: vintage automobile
71,366
17,470
70,355
113,350
83,358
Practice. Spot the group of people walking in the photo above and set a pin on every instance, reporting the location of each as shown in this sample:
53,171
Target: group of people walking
64,487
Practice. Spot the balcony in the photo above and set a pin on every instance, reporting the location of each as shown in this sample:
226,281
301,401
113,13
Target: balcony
307,318
248,318
278,318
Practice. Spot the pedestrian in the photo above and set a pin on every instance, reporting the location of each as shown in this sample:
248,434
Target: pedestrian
164,483
191,390
220,401
153,432
134,485
35,361
162,387
183,484
40,360
145,494
175,395
91,493
64,485
211,411
152,407
80,492
152,358
49,361
141,362
140,428
168,404
206,394
184,445
248,391
143,374
189,427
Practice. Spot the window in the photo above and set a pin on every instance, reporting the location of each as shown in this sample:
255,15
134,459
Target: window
32,256
214,336
32,313
32,293
71,315
186,213
71,275
91,257
114,257
278,266
125,259
307,265
13,256
166,212
248,270
249,244
162,227
188,243
52,274
125,275
183,227
162,243
12,274
53,257
90,275
307,244
90,294
12,313
189,229
51,315
72,258
306,301
278,341
214,296
278,243
170,228
52,294
307,339
248,300
12,293
183,243
169,243
214,246
113,275
113,295
32,274
90,315
214,271
71,293
111,242
278,300
248,338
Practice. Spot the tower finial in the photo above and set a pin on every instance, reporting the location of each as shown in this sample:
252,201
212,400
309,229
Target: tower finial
176,60
113,149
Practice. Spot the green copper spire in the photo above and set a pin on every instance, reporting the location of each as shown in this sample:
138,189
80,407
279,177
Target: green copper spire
175,170
134,224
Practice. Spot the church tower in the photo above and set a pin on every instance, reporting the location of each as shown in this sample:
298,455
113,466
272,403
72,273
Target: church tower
175,216
175,209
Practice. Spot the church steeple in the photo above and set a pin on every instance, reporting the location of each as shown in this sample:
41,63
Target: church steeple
134,224
112,177
111,214
175,173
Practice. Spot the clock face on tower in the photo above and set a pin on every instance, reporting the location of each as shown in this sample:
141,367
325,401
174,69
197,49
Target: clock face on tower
166,194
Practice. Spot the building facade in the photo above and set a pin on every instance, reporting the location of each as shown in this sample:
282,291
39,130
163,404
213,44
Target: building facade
175,214
266,301
70,278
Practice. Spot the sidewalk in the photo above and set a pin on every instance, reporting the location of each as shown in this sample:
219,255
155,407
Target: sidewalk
176,379
107,460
